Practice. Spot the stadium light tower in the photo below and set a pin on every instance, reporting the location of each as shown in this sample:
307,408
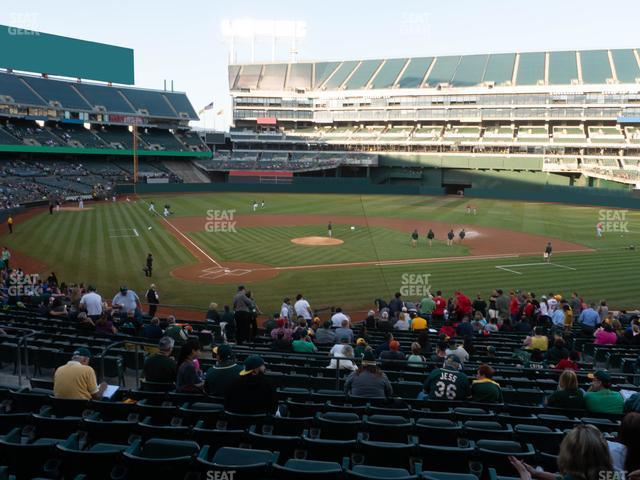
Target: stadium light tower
247,30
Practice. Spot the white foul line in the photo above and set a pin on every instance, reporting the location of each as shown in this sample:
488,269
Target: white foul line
508,270
563,266
504,267
189,240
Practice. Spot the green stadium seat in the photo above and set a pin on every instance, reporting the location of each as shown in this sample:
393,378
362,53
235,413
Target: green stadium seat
379,473
80,455
495,453
159,457
339,425
446,458
388,428
430,475
484,429
329,450
244,462
542,438
286,445
294,469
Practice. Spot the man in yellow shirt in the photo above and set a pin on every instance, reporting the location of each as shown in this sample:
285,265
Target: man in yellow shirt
417,322
537,341
77,380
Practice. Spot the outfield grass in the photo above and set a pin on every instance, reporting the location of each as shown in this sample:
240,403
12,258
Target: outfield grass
100,246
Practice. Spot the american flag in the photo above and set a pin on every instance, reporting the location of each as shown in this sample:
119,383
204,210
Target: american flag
207,107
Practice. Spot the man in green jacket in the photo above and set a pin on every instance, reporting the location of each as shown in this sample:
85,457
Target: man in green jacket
600,398
447,383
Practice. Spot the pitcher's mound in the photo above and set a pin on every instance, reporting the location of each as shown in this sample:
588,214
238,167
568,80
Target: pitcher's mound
316,241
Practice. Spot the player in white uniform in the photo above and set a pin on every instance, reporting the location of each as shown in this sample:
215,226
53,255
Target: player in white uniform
599,229
80,202
152,207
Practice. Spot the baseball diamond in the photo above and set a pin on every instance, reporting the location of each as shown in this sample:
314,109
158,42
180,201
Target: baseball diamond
336,240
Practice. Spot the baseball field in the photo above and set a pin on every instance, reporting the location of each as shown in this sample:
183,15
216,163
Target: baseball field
213,242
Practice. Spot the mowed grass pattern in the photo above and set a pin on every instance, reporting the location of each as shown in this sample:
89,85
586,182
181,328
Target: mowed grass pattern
88,247
273,246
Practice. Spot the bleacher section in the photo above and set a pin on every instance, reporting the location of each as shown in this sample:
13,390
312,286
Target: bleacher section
60,94
46,116
78,136
104,99
6,138
14,90
462,134
149,429
396,134
599,134
23,182
499,134
150,103
67,185
427,133
57,94
530,134
116,137
285,161
633,134
161,140
366,134
31,134
192,140
569,134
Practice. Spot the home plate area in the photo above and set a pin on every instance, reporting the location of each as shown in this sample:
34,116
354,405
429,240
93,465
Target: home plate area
217,272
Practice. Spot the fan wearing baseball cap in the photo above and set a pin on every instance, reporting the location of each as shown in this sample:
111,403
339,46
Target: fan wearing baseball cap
600,398
251,393
77,380
225,371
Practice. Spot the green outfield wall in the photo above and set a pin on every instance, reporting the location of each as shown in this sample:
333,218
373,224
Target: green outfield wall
539,193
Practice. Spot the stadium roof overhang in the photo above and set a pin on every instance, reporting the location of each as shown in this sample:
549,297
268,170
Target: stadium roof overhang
616,70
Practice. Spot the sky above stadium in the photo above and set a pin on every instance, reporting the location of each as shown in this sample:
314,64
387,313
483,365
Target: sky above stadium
183,41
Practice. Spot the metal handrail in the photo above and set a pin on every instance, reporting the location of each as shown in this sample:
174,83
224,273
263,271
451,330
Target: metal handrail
22,342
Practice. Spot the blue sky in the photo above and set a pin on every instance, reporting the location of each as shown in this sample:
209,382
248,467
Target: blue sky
182,41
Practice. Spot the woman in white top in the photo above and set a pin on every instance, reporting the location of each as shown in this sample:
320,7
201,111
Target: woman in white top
401,324
346,353
625,452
